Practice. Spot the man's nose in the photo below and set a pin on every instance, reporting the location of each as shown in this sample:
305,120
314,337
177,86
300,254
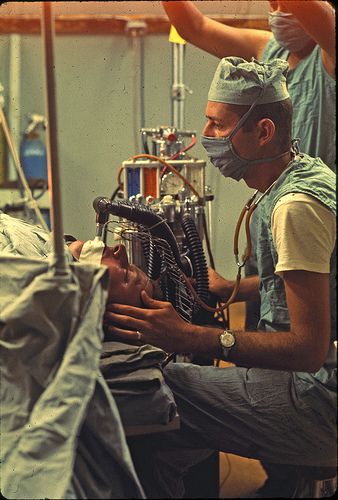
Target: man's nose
120,254
209,129
206,130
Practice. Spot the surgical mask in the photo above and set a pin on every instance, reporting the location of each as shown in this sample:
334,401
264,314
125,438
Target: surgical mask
223,156
287,31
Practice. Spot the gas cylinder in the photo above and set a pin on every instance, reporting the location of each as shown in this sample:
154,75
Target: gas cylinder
33,156
33,153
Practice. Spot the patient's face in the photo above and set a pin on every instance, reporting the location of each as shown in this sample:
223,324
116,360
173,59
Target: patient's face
126,280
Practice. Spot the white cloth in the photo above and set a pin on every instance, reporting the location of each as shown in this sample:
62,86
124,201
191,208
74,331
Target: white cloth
56,409
92,252
303,232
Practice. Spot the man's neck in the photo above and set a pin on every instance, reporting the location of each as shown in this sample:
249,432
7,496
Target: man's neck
295,57
263,175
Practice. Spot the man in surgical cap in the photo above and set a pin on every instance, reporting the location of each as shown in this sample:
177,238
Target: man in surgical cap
278,402
301,32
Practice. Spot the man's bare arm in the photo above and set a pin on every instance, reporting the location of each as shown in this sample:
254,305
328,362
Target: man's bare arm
318,19
303,348
221,287
212,36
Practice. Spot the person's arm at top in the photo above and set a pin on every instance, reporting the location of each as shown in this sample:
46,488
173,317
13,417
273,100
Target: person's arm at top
317,17
212,36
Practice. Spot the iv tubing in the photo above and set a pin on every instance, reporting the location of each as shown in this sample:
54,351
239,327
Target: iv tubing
175,155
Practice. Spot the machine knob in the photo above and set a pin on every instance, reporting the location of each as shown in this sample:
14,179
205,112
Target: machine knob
149,199
167,199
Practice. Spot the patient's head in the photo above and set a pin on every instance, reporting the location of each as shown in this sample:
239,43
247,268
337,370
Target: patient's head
126,280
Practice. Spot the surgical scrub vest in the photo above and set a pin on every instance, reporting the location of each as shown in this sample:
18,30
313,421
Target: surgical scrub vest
313,94
312,177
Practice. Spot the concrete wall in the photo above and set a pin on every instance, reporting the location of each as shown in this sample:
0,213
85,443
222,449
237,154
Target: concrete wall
96,115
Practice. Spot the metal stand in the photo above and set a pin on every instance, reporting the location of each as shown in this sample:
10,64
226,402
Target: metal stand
60,262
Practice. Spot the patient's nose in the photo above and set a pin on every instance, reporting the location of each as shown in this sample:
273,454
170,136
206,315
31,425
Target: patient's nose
120,253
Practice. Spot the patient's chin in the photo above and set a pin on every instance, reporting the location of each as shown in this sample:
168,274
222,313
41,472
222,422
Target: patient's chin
156,290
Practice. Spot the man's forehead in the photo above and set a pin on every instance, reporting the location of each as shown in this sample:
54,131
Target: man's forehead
215,108
219,112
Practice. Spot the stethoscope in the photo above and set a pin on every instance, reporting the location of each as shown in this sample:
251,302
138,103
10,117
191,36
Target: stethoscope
246,213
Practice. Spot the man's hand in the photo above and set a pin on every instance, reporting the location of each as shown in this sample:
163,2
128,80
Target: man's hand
317,17
159,324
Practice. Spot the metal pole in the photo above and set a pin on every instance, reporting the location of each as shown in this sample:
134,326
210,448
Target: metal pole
142,60
181,51
60,262
14,104
178,87
174,118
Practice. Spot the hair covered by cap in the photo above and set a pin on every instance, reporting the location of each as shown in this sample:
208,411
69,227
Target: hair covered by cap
237,81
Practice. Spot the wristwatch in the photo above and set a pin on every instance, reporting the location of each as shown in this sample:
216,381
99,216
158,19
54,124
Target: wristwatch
227,340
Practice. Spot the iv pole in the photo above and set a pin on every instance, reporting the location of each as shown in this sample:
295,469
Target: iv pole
178,88
60,261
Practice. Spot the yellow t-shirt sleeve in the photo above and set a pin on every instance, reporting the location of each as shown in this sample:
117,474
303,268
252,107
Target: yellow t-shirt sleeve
304,234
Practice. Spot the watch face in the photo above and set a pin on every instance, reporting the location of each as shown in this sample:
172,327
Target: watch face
227,339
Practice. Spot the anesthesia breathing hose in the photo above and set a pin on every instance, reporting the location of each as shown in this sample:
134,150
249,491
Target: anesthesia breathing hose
103,207
159,228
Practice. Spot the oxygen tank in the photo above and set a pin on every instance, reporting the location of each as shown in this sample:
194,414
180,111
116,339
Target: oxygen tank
33,153
33,157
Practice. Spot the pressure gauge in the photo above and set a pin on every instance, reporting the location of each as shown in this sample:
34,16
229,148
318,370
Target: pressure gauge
171,183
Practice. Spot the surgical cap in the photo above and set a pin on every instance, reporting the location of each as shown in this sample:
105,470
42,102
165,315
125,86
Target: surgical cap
237,81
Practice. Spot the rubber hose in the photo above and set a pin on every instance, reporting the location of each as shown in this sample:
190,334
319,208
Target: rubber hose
197,257
153,259
141,215
169,289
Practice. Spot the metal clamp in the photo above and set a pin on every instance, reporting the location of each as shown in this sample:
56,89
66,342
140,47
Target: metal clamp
136,27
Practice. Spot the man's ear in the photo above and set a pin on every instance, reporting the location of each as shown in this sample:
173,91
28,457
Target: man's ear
266,131
75,247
